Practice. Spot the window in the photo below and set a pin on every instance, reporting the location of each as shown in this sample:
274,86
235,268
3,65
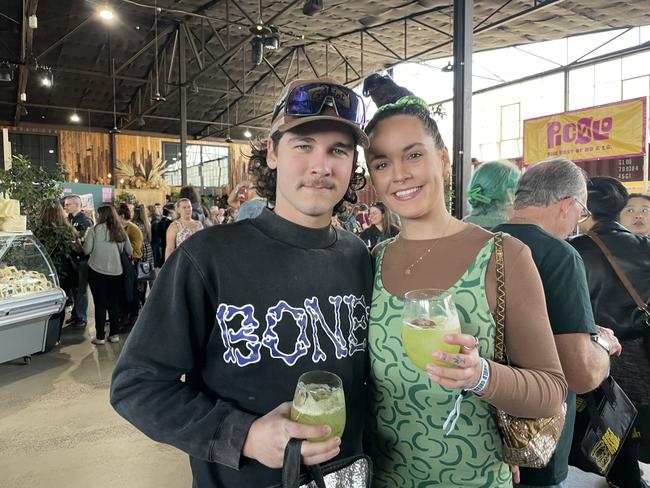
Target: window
207,166
510,143
41,150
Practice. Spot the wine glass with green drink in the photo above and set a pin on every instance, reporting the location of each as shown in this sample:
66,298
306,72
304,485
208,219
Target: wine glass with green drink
428,315
319,400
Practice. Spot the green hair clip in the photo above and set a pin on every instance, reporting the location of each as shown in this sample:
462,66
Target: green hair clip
476,194
403,102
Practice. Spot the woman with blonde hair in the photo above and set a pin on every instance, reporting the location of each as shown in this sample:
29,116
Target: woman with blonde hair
183,227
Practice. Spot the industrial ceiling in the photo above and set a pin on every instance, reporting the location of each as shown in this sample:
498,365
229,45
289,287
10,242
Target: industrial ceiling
238,54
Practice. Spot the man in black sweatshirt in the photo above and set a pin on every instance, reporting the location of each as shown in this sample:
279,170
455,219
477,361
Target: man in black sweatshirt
242,310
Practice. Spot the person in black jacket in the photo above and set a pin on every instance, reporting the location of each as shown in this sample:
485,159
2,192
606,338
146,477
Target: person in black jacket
81,223
159,233
614,308
243,310
381,227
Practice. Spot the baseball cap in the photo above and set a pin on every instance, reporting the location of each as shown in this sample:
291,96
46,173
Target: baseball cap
310,100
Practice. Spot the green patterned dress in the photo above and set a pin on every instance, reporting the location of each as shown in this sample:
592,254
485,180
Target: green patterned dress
406,438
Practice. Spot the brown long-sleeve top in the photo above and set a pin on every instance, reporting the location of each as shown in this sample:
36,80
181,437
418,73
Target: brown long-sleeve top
534,385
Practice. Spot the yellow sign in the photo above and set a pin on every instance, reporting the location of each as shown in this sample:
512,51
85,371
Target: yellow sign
614,130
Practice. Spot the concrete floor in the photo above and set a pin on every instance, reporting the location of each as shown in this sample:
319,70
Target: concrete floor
58,430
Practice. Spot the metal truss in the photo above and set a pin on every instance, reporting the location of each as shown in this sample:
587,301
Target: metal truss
393,57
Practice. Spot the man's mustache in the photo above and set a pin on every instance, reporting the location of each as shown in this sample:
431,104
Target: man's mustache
318,183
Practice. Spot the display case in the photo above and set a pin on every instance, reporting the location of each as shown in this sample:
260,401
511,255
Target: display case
29,295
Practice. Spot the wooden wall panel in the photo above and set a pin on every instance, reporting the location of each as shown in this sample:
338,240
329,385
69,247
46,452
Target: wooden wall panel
138,149
85,155
82,154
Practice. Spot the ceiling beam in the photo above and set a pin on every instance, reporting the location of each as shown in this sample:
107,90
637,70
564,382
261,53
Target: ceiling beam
146,47
199,135
214,57
123,114
26,44
311,65
538,6
65,37
228,55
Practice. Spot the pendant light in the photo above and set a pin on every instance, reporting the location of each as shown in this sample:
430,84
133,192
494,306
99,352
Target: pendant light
157,97
114,130
228,138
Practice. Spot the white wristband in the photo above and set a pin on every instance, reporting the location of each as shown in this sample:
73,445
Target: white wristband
483,379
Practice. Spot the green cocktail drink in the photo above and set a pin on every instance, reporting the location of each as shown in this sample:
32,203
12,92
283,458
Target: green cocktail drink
428,315
421,337
319,400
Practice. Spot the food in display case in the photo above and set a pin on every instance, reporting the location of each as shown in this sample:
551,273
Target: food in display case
29,296
15,282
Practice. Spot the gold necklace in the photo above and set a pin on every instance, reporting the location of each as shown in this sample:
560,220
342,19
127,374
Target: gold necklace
409,269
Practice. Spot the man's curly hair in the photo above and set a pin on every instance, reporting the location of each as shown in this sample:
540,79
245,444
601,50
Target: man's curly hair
265,178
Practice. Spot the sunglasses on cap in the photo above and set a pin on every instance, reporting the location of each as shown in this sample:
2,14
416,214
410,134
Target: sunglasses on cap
309,99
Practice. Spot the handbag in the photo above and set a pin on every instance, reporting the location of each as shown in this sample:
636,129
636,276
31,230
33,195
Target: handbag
146,271
641,305
527,442
350,472
604,418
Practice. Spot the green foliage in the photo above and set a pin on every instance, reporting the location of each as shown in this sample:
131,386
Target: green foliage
58,240
125,197
32,186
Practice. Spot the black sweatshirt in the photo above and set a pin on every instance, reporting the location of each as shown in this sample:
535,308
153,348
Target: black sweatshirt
243,310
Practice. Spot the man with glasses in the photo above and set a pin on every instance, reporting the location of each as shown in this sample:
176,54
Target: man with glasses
549,204
81,222
240,311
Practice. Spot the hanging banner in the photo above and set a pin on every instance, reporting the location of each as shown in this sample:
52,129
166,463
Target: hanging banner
615,130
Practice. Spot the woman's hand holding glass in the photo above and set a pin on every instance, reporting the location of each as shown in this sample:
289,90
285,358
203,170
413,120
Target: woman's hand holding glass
464,370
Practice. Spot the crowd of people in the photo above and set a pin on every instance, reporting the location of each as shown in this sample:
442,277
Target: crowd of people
120,247
239,312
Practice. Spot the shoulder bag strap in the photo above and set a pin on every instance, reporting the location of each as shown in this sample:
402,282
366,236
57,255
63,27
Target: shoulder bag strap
619,272
500,312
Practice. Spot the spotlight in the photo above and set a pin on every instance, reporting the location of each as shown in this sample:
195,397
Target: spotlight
46,77
312,7
447,69
23,110
247,134
75,118
228,139
140,121
114,130
272,40
6,72
106,13
158,98
76,180
257,51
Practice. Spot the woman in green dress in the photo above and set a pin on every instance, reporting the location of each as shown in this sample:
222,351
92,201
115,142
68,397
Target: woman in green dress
409,166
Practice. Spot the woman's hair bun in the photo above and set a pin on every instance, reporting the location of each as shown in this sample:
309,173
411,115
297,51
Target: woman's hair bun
606,197
383,90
